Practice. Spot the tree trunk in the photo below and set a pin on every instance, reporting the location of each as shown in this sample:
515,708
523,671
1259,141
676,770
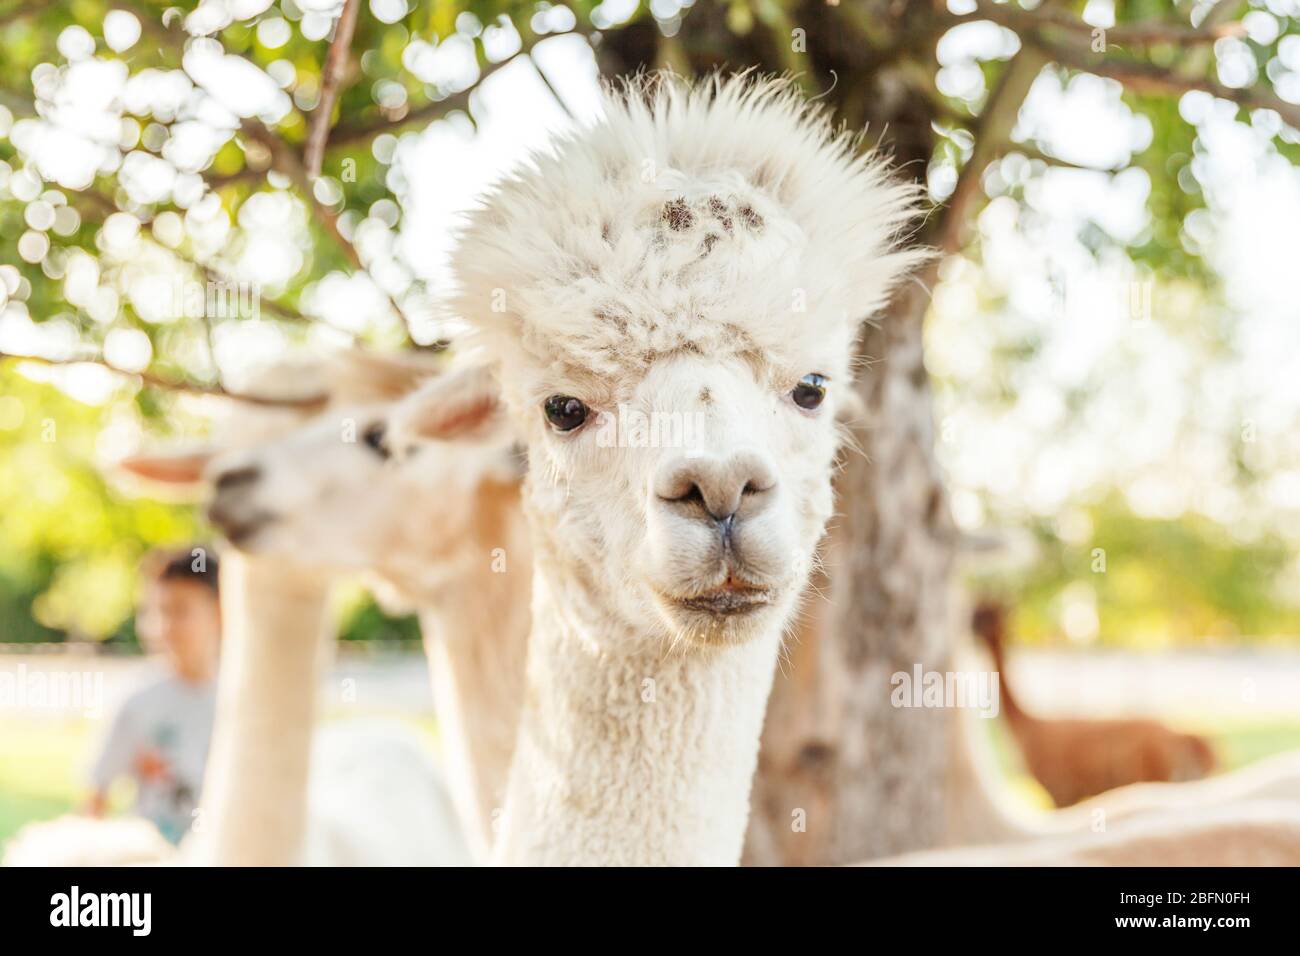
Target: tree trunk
843,774
891,603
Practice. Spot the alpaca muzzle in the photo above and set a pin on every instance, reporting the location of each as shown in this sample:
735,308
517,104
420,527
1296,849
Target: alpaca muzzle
232,510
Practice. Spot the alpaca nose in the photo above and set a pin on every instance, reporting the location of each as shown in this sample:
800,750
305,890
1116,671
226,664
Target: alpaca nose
227,481
715,488
233,508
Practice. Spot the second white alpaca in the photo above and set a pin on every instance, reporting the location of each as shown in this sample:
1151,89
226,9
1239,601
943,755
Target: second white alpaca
441,532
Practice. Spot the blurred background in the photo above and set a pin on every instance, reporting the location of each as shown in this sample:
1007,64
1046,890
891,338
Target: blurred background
1113,336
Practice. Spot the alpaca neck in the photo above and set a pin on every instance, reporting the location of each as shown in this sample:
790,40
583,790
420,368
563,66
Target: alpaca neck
476,646
474,617
275,623
629,753
996,643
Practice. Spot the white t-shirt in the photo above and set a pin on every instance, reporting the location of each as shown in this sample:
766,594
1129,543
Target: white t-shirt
160,737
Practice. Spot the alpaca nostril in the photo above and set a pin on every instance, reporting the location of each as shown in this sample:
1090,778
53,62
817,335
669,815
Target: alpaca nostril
237,477
693,496
717,489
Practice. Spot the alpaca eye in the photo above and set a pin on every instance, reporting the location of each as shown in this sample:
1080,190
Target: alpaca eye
564,412
810,392
373,436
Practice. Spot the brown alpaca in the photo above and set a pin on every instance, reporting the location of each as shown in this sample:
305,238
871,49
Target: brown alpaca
1077,759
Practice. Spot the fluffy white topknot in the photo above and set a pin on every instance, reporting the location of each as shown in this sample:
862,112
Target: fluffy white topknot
724,218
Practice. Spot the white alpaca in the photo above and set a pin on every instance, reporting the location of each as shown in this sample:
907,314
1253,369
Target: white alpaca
255,805
725,286
1248,833
309,503
702,258
440,531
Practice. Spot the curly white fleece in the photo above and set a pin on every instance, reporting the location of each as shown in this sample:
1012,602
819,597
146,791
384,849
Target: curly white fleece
728,217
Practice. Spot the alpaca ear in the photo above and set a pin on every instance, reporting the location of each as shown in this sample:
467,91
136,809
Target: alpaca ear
361,375
177,468
459,405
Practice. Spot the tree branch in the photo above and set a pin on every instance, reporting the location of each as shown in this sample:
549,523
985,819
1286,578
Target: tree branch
246,175
284,159
1035,26
360,134
546,81
992,135
1145,78
332,75
355,134
210,275
1136,76
1149,33
175,385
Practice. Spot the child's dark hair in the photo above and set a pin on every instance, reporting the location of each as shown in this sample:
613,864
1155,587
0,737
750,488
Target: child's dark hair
197,563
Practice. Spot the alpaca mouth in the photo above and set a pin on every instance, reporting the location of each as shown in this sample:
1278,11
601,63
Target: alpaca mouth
727,601
238,529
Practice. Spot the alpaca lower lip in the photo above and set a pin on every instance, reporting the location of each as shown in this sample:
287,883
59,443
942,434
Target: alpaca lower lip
727,602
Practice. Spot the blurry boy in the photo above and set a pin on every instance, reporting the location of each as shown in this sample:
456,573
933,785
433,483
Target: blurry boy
160,735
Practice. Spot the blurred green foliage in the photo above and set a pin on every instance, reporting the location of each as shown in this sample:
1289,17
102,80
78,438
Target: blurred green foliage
71,540
68,541
1153,582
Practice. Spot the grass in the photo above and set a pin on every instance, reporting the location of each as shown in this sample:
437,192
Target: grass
42,764
40,761
1245,742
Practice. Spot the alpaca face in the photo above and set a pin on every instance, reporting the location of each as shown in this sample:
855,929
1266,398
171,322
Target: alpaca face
316,492
333,494
697,497
705,255
336,490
